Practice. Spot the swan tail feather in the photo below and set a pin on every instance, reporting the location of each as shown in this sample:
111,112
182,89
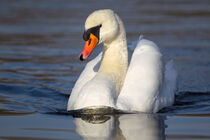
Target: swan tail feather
141,37
133,44
170,84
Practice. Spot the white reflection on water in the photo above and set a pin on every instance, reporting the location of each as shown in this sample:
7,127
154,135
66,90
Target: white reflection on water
122,127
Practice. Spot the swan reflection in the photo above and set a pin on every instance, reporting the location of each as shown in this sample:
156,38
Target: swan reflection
121,127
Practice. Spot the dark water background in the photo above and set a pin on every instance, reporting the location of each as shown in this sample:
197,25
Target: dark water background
39,44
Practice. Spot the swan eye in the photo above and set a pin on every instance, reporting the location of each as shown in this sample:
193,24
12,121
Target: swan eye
94,30
86,35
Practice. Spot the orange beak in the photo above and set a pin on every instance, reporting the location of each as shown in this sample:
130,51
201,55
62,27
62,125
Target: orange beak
89,46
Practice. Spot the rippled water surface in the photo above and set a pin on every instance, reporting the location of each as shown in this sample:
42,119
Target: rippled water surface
39,45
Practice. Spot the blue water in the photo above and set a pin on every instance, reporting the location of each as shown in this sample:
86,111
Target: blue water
39,45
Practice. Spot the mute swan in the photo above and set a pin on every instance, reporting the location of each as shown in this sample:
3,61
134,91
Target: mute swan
106,81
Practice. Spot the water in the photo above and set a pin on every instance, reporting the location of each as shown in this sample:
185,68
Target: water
39,45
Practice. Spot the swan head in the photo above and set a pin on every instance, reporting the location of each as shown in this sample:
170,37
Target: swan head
100,26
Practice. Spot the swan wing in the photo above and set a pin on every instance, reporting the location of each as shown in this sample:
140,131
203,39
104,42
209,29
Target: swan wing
143,79
169,86
87,74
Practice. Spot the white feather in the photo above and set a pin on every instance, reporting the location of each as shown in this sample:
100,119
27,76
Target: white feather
145,86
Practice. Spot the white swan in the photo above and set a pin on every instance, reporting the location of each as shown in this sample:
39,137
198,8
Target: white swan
107,81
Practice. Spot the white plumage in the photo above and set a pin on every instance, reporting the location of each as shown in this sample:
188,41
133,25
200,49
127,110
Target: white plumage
145,86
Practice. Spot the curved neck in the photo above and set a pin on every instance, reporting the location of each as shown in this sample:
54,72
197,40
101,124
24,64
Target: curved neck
115,59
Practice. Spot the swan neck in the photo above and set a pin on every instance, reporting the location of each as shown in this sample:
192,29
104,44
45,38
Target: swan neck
115,61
